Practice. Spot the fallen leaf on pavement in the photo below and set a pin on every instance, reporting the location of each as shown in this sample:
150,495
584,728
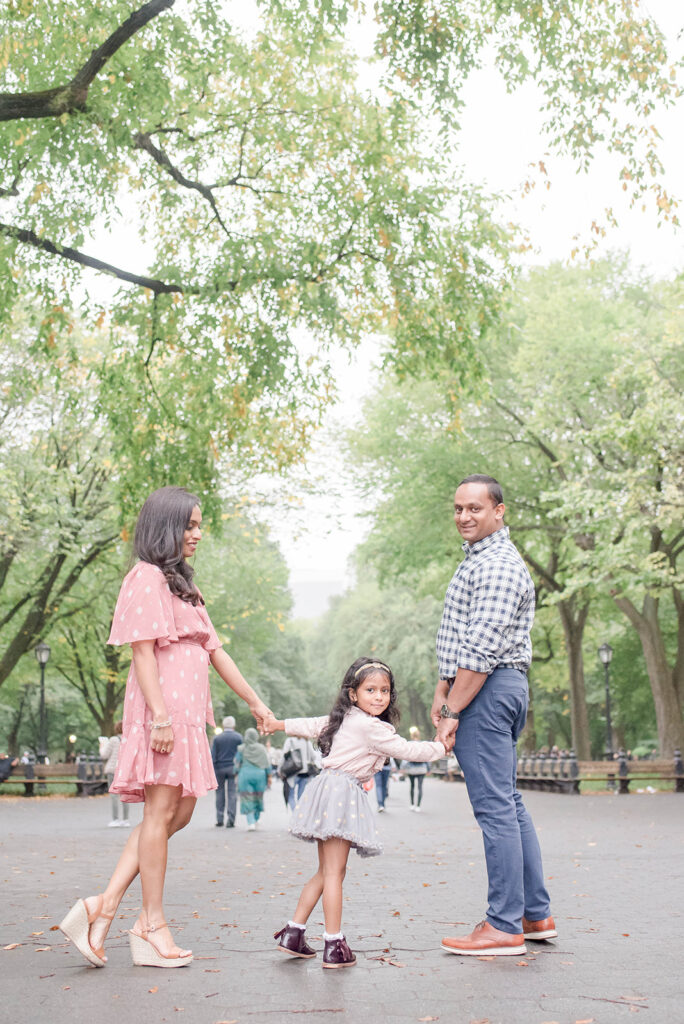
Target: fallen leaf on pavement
153,990
522,963
42,949
12,945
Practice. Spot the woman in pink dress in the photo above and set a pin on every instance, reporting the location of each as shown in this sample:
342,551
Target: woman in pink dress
164,761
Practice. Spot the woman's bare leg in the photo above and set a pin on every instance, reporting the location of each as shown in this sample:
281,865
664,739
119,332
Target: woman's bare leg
311,893
334,856
128,867
162,807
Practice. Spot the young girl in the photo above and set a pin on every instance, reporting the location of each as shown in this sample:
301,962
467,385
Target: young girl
334,809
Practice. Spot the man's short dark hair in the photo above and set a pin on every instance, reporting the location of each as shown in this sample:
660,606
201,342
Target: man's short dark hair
493,486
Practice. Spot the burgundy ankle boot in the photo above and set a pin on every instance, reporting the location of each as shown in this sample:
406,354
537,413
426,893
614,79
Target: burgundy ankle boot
292,941
338,954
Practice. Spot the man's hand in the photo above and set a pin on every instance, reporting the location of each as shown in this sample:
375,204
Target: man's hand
441,694
434,712
446,732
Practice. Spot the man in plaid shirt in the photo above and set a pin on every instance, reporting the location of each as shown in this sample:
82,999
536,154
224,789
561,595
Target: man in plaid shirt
480,705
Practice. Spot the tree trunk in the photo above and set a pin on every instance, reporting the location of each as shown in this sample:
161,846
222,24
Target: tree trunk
574,620
668,710
13,735
419,715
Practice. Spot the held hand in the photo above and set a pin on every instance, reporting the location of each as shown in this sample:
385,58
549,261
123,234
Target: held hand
449,743
161,740
446,732
261,713
271,723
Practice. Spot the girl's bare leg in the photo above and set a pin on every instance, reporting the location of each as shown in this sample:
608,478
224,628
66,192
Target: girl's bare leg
334,856
128,867
311,893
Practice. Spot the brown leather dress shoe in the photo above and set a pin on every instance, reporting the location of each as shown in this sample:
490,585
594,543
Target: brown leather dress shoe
536,931
485,940
338,954
292,941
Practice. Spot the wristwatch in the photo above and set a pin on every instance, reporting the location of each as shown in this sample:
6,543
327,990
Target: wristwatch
445,712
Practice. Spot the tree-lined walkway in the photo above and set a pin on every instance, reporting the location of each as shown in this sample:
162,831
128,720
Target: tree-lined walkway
615,873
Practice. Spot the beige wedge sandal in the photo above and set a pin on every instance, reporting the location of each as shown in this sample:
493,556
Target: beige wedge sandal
76,927
146,954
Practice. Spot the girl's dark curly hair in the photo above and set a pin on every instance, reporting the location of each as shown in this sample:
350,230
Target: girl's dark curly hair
159,534
354,676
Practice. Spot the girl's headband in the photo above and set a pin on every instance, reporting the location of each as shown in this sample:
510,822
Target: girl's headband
372,664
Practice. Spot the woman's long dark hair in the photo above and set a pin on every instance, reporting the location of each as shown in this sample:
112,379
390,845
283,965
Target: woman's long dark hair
159,535
354,676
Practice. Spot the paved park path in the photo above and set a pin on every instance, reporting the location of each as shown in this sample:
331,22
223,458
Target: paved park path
615,868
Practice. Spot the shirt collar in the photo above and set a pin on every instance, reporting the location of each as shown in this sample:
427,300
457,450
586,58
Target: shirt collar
480,545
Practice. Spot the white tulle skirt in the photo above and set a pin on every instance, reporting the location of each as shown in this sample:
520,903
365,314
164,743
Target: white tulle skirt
334,805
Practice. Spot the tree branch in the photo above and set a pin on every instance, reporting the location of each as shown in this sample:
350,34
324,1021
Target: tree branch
44,245
537,440
143,140
66,99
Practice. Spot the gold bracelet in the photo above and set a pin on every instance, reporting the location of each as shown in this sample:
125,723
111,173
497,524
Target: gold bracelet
162,725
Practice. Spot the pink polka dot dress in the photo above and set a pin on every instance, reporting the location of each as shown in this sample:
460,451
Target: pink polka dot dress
147,610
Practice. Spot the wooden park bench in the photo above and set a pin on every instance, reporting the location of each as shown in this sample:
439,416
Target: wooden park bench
86,775
566,774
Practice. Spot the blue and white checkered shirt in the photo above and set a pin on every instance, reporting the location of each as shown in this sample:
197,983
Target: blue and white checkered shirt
488,610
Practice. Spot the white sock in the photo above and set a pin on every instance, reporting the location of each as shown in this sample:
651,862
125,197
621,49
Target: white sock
329,938
293,924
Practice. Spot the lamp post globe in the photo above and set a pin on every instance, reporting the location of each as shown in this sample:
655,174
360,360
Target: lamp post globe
42,652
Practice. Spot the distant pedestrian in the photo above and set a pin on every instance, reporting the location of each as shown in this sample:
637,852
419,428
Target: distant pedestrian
415,771
109,752
254,769
382,785
334,810
223,758
309,758
7,763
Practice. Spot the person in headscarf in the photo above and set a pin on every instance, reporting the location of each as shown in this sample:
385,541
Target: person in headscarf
254,769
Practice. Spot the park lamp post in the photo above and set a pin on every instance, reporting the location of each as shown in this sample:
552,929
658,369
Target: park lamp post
42,652
605,653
